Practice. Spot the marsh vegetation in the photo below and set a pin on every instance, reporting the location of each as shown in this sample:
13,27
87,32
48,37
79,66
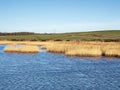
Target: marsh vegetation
75,48
22,48
70,48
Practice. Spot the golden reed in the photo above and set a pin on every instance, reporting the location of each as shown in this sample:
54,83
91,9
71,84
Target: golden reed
22,48
84,48
71,48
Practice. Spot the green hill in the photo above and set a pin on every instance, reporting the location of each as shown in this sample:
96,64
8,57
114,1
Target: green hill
107,35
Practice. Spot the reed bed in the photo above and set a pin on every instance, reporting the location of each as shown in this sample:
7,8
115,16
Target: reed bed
22,48
70,48
83,48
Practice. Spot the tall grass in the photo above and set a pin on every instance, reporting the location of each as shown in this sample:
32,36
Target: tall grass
84,48
22,48
111,50
72,48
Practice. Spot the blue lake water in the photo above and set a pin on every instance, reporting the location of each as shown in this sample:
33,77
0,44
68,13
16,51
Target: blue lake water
49,71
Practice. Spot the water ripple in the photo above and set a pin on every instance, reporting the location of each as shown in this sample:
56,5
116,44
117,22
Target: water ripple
48,71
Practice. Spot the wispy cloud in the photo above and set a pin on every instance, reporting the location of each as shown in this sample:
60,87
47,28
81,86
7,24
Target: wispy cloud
82,27
66,27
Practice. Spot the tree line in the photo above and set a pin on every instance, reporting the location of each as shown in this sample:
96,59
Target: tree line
16,33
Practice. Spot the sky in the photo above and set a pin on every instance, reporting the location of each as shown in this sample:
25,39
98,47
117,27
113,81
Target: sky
59,16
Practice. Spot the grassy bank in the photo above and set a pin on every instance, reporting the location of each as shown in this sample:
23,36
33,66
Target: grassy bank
107,36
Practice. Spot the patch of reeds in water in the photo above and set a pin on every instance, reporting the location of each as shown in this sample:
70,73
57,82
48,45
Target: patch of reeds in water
22,48
70,48
84,48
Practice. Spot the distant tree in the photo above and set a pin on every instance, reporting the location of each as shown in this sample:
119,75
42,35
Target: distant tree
17,33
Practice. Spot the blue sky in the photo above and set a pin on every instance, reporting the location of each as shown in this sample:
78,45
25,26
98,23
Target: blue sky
49,16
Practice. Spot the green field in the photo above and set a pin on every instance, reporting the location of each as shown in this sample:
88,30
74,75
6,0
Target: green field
109,35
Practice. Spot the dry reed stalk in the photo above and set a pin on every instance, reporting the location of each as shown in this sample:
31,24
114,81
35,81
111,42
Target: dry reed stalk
112,50
56,47
76,48
11,48
84,48
22,48
84,51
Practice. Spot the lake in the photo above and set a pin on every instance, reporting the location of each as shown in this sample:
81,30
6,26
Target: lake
50,71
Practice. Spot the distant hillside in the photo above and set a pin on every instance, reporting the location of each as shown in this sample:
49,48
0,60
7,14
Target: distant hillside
109,35
16,33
